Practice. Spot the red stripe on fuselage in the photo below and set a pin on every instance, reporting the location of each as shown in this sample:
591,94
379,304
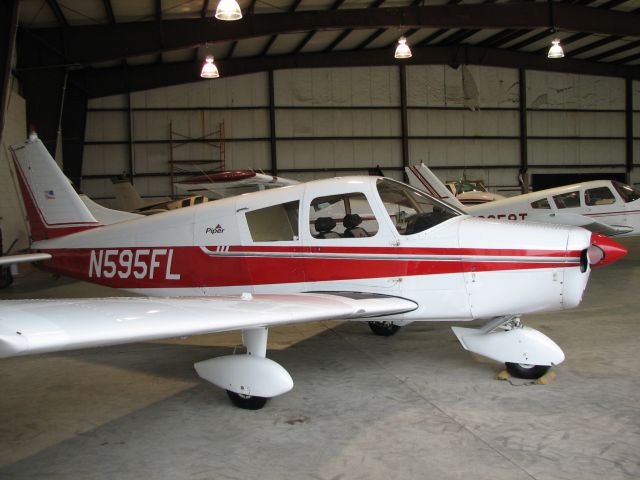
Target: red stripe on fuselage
189,267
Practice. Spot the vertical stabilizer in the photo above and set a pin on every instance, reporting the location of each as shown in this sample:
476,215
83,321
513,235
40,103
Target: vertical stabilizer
54,209
127,197
422,178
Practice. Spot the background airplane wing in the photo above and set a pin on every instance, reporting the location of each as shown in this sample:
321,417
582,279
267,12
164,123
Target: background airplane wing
578,220
38,326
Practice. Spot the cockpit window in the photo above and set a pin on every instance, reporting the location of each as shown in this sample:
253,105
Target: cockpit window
275,223
628,194
599,196
567,200
411,210
345,215
542,203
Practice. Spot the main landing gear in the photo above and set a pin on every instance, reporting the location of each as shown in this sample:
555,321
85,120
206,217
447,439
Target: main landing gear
527,353
384,329
250,379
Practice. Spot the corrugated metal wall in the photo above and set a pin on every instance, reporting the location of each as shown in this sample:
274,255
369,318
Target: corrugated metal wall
327,121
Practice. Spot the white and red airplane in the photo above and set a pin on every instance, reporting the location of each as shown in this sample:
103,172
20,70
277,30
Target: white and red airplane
230,183
352,248
471,192
602,206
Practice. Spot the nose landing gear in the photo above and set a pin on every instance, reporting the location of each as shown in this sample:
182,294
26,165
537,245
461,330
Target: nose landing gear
526,353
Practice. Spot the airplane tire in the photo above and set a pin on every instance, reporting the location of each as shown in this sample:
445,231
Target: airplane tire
384,329
522,370
248,402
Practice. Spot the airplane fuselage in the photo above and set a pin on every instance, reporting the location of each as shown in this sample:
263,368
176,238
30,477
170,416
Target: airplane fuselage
270,242
604,201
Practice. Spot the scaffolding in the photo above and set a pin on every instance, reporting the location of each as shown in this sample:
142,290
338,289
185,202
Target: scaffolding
212,142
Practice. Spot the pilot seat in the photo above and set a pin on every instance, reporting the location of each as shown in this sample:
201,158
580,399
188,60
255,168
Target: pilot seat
324,227
351,228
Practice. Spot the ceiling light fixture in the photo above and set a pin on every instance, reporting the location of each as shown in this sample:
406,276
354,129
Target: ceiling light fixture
209,69
556,49
402,50
228,10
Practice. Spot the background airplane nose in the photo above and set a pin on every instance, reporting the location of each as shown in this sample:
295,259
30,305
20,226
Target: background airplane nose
613,251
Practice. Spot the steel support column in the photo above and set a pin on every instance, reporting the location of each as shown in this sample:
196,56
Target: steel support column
404,124
272,125
8,26
628,114
43,95
74,120
524,158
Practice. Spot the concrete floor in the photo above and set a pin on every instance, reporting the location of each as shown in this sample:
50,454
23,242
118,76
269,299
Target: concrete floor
415,405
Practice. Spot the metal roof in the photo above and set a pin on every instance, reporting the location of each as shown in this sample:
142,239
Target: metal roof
169,38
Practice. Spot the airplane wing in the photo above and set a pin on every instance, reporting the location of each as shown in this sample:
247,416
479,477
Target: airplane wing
578,220
38,326
422,178
24,258
231,183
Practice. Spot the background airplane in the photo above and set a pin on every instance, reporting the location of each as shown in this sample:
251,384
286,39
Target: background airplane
129,200
229,183
263,259
603,206
472,192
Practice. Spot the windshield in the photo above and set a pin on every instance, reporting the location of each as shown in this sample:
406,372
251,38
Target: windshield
411,210
628,194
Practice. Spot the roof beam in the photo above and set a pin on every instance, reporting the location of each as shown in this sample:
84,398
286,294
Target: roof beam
380,31
111,81
88,44
272,39
57,11
108,8
615,51
310,34
346,32
234,44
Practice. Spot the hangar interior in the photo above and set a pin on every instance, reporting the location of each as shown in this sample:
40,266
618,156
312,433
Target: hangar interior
308,90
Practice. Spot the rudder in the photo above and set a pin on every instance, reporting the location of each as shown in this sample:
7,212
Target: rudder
54,209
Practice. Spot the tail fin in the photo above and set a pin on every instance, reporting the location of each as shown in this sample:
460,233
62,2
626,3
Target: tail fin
422,178
54,209
127,197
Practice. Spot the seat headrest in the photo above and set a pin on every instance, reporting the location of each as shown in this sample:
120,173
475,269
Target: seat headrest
351,220
325,224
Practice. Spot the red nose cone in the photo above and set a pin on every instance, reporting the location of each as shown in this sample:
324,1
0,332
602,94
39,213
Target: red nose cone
613,251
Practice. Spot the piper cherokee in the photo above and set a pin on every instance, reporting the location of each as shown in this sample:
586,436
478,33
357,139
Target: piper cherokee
353,248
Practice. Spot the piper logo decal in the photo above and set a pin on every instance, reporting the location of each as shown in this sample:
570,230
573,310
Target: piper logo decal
213,230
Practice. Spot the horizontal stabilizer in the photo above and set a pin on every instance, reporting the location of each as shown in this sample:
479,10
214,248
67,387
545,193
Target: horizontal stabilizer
24,258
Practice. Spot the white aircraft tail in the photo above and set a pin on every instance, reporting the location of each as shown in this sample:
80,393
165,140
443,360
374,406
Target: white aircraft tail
53,207
127,197
422,178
